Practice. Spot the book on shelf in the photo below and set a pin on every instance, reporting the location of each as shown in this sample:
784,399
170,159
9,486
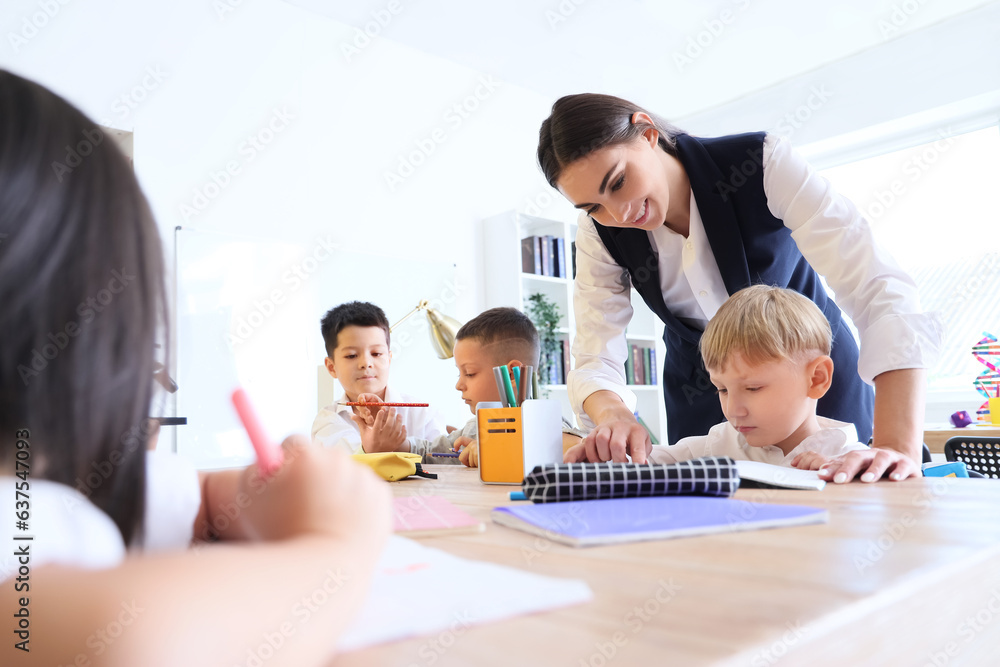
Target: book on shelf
652,436
629,367
566,359
561,257
652,365
640,372
647,371
572,252
528,254
545,242
531,255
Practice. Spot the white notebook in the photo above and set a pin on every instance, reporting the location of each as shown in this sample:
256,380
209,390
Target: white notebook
782,477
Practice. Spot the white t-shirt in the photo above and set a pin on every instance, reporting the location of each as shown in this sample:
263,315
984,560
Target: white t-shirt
67,529
333,426
835,438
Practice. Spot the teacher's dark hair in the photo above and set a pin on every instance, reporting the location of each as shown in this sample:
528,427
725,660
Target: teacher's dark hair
581,124
81,288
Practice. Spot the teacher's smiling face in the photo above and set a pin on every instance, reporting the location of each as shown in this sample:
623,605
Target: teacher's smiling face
624,185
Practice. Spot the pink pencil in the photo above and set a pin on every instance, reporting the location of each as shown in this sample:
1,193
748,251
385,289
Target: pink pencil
269,457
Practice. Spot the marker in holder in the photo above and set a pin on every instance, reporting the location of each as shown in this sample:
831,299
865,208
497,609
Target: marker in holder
512,441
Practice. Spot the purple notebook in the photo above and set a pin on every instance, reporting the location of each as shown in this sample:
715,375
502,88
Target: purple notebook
614,521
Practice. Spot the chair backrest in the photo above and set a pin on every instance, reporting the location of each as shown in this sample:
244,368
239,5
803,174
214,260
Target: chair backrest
978,453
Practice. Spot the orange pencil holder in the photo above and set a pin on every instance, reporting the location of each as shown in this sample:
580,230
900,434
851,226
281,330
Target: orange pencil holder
512,441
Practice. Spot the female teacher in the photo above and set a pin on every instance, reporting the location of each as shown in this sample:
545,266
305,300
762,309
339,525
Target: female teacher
688,221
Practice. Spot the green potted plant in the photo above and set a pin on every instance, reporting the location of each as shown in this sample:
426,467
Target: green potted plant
544,315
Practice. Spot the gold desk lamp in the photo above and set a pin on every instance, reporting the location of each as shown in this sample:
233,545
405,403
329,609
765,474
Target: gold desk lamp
442,328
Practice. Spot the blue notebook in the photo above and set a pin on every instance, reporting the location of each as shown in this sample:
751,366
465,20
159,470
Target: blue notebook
618,520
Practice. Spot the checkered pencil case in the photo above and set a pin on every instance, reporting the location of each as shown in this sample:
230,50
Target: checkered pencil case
556,482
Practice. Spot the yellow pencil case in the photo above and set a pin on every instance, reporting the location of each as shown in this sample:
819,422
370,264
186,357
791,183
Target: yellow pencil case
394,466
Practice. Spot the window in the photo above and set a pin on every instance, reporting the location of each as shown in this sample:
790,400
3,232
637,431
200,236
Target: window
935,208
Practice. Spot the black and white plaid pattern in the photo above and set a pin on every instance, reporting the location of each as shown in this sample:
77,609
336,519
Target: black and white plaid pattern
556,482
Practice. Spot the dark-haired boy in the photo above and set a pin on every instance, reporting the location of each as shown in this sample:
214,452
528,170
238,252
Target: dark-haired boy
495,337
356,335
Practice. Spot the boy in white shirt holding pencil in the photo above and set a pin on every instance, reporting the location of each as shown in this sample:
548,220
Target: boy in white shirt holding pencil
356,335
767,351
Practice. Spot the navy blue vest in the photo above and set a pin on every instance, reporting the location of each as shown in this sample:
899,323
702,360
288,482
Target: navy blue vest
751,247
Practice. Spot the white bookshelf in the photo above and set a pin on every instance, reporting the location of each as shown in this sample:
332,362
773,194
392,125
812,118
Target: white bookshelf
507,285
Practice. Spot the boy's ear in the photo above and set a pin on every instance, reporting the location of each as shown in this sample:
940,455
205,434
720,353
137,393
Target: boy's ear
330,368
820,371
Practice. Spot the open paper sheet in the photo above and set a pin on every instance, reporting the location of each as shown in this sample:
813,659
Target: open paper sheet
419,590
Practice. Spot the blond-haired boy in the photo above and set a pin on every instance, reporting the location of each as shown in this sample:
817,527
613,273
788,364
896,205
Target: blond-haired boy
767,351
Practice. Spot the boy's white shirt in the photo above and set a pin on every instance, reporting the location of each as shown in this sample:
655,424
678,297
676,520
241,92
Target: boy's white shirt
443,443
333,426
833,439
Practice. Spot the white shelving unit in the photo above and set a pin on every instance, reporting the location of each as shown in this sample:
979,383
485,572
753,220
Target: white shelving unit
508,285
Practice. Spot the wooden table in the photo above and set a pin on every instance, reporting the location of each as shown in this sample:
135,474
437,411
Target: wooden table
935,436
904,573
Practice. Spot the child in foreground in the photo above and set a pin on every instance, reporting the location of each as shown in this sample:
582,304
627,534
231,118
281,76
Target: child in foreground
84,306
495,337
767,351
356,336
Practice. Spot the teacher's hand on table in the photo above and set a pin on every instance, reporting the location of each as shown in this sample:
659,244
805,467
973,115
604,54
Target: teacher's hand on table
612,441
873,464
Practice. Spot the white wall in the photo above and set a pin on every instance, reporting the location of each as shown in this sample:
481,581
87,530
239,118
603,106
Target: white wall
337,121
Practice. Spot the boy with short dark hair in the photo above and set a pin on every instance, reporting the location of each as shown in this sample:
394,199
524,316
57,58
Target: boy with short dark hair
496,337
357,346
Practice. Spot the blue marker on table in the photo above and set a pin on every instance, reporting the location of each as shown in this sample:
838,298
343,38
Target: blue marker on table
518,495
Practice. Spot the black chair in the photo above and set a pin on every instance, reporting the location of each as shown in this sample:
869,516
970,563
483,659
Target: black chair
980,454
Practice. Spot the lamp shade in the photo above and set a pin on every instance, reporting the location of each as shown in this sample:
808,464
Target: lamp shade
443,331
